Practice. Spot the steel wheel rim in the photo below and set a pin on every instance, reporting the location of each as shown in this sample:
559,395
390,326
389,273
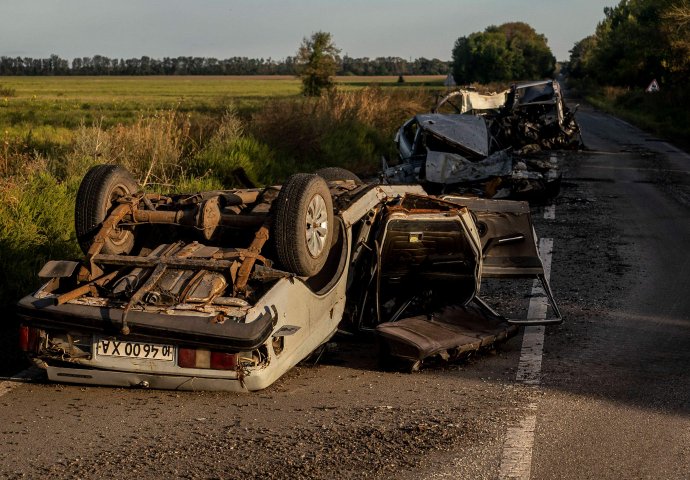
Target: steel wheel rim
317,226
117,236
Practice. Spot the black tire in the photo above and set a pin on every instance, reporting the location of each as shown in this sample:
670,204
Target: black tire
331,174
99,189
300,247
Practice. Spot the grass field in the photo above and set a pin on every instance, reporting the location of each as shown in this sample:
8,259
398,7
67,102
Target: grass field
187,92
66,102
49,107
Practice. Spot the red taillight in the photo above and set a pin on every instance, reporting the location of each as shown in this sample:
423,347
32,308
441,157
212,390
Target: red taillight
203,358
186,357
24,338
28,338
223,361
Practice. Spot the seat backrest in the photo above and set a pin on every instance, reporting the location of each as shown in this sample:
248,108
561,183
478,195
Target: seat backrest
427,250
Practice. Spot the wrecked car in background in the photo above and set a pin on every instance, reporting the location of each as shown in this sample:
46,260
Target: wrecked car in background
227,290
490,145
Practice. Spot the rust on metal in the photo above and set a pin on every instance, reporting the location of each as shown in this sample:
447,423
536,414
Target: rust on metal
148,285
176,262
255,248
92,271
87,288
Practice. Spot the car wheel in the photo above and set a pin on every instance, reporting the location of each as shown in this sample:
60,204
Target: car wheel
331,174
97,195
303,224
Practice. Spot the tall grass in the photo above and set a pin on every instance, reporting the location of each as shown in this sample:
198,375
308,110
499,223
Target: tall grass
152,148
346,129
36,218
232,154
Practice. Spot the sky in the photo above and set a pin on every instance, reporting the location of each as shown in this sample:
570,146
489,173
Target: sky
275,28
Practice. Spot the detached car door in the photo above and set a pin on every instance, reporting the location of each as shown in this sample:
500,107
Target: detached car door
509,246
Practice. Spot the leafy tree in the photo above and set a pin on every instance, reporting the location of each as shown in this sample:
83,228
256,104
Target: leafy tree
317,61
512,51
676,28
581,57
531,55
633,45
489,57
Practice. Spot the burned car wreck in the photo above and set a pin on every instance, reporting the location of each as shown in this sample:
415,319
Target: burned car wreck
228,290
494,146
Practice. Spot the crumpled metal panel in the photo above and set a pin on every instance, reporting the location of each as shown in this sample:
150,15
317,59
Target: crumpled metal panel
407,172
444,167
58,269
467,132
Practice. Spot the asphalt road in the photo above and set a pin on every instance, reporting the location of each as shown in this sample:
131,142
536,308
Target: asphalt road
616,400
612,401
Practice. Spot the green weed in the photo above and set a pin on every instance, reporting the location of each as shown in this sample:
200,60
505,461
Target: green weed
36,224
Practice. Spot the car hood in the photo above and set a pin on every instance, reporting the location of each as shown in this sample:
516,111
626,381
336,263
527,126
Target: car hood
467,132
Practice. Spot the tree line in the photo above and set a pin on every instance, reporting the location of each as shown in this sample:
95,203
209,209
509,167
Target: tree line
101,65
637,41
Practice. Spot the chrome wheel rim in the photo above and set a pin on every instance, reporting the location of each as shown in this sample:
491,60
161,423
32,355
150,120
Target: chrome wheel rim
317,226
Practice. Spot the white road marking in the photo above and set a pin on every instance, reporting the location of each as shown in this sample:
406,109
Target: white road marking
516,460
550,210
529,367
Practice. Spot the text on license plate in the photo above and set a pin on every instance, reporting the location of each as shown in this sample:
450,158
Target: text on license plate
151,351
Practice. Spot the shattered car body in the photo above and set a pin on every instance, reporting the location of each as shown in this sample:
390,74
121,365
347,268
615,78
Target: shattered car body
491,145
227,290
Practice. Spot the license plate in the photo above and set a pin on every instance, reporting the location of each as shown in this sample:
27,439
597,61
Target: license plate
150,351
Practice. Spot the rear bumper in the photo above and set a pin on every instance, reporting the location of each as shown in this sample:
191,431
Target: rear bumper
194,330
143,380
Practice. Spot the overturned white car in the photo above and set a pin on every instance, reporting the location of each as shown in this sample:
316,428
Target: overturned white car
227,290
